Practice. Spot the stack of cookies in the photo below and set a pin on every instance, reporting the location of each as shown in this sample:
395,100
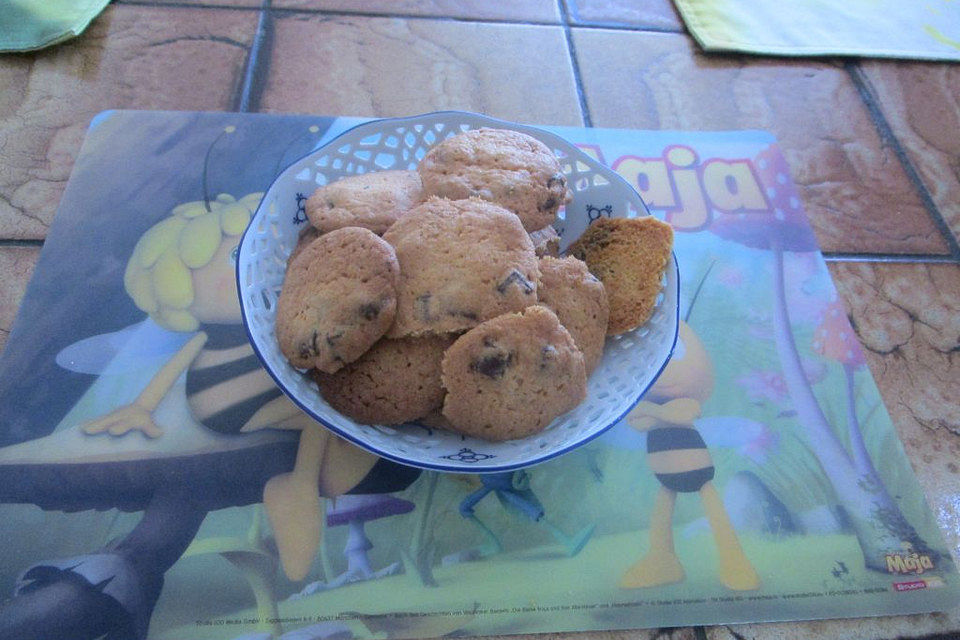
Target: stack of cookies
438,295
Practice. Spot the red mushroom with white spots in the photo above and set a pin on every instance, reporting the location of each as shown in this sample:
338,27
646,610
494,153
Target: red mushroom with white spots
835,340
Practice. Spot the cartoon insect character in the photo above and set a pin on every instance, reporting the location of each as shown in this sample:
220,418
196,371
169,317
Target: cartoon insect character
678,456
182,273
513,490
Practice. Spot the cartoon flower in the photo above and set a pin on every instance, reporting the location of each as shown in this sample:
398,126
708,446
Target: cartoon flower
764,386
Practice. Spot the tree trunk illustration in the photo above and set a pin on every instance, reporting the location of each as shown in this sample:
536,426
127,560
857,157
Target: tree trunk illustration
877,521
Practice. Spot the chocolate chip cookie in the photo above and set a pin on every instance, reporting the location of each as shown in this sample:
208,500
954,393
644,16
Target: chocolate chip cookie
510,168
339,297
461,262
578,298
629,256
511,376
373,201
307,235
396,381
546,242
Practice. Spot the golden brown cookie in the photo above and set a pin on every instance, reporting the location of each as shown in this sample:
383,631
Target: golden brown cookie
511,376
510,168
578,298
461,262
372,200
629,256
338,298
307,235
546,242
396,381
435,420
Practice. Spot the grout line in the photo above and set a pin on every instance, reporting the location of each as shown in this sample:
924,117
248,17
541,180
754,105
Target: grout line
577,76
249,97
623,26
412,16
15,243
700,633
612,26
887,137
900,258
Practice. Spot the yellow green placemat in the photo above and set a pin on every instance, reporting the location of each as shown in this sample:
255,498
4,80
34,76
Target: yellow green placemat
27,25
922,29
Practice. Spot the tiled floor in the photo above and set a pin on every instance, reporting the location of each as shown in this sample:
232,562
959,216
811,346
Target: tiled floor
651,15
873,146
365,66
48,98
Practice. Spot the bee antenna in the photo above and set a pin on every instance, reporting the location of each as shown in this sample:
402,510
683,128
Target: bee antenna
696,293
206,163
312,129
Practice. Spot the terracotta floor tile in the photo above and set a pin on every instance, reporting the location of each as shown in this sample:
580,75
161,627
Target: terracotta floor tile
650,14
367,66
131,57
921,102
16,265
926,625
517,10
908,319
855,190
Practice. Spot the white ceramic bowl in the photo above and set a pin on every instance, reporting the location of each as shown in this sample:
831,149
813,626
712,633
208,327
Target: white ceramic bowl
631,362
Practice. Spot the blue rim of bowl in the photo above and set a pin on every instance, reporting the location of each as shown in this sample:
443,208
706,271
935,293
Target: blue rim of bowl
429,465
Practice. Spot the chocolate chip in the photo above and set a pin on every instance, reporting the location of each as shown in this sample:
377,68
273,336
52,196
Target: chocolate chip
518,278
550,203
547,354
423,307
333,337
457,313
557,179
370,310
309,349
492,365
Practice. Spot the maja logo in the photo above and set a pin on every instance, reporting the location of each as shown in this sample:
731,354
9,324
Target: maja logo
914,562
689,191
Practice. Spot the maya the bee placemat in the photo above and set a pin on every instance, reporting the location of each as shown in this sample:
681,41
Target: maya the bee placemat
804,505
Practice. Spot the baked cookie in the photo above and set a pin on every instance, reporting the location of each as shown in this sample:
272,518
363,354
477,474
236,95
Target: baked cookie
396,381
461,262
435,420
512,169
546,242
372,200
629,256
578,298
339,297
307,235
511,376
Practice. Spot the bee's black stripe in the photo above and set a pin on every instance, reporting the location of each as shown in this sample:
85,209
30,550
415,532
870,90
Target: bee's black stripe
686,481
672,438
225,336
201,379
232,419
386,477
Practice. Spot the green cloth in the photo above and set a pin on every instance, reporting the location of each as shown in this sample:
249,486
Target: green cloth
920,29
27,25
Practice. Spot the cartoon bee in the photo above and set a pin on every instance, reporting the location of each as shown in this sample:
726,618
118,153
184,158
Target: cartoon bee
678,456
182,274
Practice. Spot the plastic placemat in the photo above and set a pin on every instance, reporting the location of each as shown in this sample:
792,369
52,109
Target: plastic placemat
785,495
